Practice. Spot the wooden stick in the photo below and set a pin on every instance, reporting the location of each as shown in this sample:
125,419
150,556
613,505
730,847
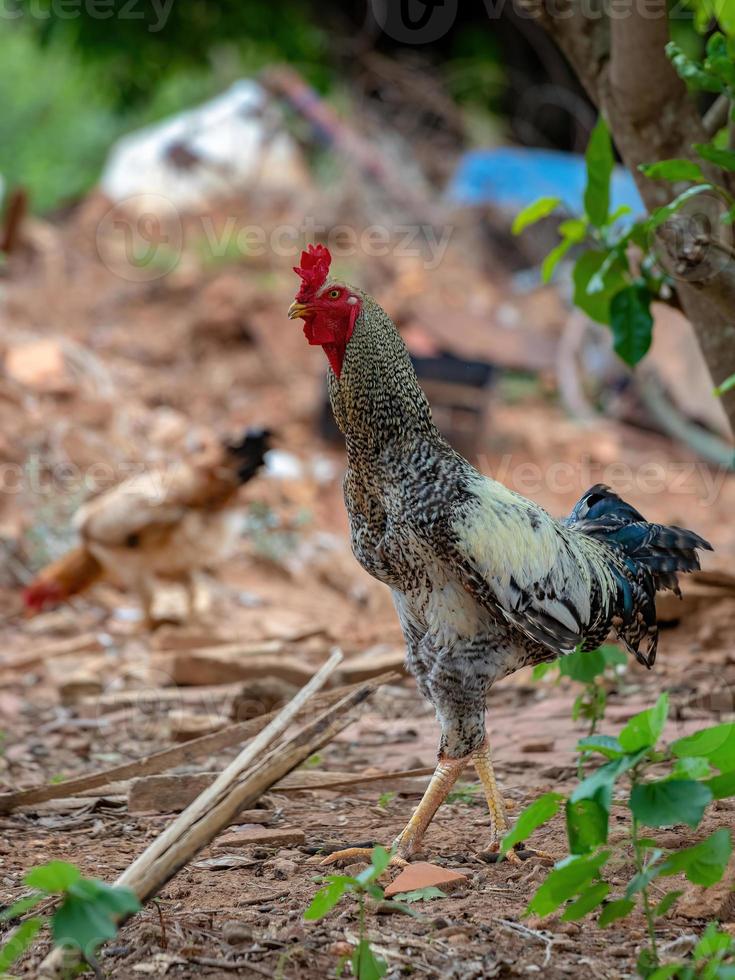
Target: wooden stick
168,758
245,779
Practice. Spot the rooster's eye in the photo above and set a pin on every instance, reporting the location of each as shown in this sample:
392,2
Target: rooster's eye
334,293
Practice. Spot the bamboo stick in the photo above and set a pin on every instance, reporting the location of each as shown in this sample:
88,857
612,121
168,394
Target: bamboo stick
239,785
166,759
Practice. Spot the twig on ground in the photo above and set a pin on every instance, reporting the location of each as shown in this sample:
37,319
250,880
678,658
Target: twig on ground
529,934
168,758
242,782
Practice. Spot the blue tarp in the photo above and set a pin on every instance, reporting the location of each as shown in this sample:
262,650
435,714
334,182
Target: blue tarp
512,177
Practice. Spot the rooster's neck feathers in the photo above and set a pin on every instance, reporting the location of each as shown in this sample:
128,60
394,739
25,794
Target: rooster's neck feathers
377,400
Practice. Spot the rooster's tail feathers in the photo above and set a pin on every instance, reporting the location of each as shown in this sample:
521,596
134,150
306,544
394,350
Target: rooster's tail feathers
651,554
662,550
72,573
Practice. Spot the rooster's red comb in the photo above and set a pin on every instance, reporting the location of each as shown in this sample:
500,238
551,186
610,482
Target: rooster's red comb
314,269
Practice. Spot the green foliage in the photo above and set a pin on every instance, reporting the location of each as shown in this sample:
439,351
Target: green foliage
539,209
538,813
612,285
139,47
600,160
57,121
592,669
87,914
666,787
673,170
605,285
366,965
386,798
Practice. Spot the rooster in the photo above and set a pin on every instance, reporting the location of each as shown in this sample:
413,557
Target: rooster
484,581
167,524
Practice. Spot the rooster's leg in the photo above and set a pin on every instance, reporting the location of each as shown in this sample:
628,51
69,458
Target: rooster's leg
482,759
409,840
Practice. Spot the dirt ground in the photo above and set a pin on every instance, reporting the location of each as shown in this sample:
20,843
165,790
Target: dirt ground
143,366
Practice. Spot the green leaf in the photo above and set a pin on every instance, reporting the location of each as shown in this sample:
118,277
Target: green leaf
90,912
587,824
673,170
380,859
728,383
328,896
554,258
541,670
722,786
20,907
643,879
722,158
581,666
421,895
669,802
599,784
691,768
667,903
566,880
644,729
56,876
711,942
661,215
614,911
538,813
574,228
18,943
365,964
693,73
715,744
587,901
719,60
666,972
704,863
80,923
599,158
604,744
534,212
631,323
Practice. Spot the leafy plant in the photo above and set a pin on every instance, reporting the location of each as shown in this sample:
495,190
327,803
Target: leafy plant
366,964
665,787
590,669
617,271
87,914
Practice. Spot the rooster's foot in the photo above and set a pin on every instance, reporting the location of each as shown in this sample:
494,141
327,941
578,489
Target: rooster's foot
360,854
516,855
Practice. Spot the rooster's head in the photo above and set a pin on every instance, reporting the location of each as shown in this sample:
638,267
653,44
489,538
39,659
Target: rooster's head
328,308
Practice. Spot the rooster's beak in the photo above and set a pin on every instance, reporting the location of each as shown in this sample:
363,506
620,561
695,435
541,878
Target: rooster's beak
298,310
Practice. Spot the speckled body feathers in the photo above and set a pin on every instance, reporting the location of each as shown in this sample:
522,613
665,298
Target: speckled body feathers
484,580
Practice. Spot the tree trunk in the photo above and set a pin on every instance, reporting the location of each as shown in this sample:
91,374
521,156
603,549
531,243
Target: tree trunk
623,66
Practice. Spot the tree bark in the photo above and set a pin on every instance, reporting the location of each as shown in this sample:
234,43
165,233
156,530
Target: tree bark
622,64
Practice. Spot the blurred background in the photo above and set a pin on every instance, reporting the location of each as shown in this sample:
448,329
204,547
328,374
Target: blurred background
162,165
